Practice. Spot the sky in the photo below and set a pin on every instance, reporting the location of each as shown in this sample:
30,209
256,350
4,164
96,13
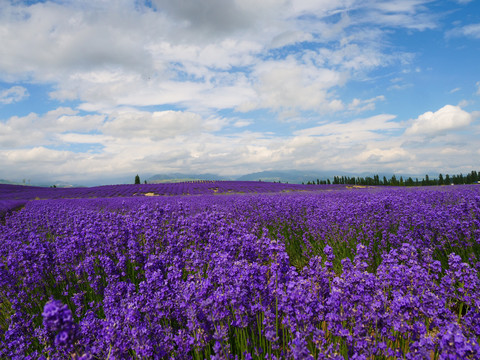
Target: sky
100,90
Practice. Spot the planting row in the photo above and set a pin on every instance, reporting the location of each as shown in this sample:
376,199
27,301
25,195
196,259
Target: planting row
371,273
9,192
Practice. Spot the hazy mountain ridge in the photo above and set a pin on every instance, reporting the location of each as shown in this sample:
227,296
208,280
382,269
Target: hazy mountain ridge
183,176
290,176
284,176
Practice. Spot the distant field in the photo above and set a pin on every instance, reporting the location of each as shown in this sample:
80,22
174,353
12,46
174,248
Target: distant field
240,270
201,187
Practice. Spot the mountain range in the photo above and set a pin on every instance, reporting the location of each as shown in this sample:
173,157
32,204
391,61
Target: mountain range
290,176
284,176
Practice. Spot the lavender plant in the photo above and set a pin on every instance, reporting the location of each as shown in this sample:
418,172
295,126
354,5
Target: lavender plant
360,273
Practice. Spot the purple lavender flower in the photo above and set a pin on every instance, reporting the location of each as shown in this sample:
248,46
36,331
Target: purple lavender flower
57,319
454,344
56,315
65,336
162,277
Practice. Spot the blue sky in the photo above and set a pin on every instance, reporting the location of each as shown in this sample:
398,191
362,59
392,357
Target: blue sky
100,90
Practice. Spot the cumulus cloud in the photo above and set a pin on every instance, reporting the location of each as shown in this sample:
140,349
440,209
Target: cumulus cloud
446,119
185,52
66,39
38,154
157,125
385,155
120,62
291,85
14,94
211,16
364,144
34,130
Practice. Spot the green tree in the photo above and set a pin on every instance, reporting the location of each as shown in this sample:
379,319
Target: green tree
137,179
475,176
393,180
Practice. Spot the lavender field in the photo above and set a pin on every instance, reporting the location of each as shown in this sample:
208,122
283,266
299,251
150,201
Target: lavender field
225,270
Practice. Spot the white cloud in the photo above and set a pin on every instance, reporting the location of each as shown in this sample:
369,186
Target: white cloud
358,105
241,123
446,119
200,56
385,155
454,151
358,128
215,18
14,94
124,147
290,37
115,58
354,57
33,130
35,155
290,85
46,41
75,138
471,30
65,125
410,14
158,125
155,126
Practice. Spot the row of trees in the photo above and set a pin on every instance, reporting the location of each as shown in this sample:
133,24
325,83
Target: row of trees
318,182
471,178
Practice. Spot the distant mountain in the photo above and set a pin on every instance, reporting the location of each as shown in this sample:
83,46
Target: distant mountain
58,184
290,176
175,177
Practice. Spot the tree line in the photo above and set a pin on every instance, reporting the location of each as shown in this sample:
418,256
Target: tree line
471,178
